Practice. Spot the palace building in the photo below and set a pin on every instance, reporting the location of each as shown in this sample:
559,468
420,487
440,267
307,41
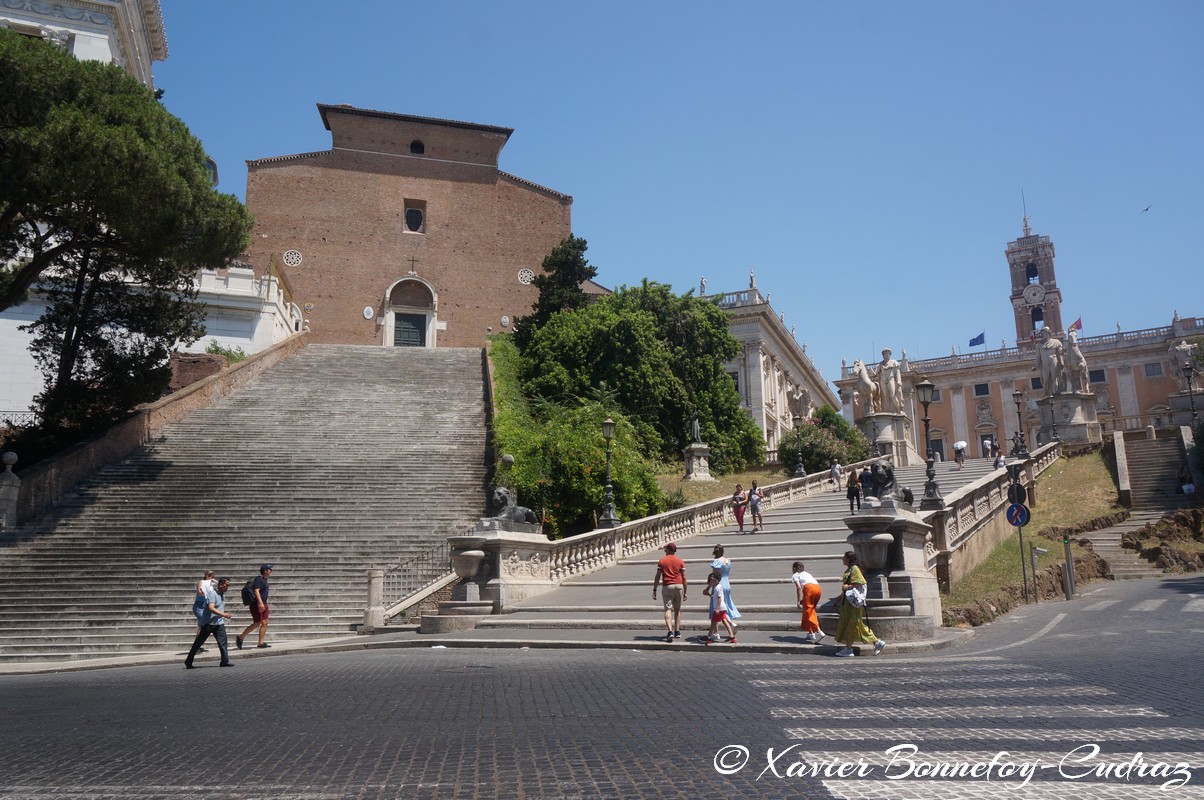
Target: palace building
1134,377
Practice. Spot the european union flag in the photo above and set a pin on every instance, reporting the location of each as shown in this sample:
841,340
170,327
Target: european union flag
979,339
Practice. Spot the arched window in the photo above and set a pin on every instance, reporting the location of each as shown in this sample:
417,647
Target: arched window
1030,272
417,148
1038,318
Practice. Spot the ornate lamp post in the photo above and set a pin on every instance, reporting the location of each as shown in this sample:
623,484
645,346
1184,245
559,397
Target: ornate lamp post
608,519
800,471
1019,448
932,490
1189,372
875,452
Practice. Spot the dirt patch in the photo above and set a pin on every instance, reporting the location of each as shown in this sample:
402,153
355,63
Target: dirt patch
1172,543
994,605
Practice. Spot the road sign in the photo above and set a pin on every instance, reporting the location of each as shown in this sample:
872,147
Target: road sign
1017,494
1017,515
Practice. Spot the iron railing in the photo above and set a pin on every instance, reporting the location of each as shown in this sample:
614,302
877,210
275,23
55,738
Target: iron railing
412,576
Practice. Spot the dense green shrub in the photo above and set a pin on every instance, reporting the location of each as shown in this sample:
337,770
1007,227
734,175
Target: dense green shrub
824,437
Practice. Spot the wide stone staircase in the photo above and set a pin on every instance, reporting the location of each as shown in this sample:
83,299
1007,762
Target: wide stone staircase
1153,467
810,530
338,460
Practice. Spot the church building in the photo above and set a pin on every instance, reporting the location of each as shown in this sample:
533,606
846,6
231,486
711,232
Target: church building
405,232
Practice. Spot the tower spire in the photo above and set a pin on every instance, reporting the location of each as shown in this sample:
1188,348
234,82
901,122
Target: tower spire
1027,230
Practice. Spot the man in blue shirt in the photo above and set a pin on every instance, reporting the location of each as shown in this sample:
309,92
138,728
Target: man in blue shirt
259,608
213,621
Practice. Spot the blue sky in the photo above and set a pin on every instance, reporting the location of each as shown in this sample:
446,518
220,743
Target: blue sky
865,159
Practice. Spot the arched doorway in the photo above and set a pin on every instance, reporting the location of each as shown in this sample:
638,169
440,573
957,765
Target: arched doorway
410,312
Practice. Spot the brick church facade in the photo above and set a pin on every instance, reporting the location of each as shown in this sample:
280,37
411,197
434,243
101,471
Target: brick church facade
405,232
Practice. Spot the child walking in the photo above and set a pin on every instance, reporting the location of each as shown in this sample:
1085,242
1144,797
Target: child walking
718,612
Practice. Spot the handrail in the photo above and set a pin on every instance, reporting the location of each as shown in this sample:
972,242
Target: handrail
604,547
412,576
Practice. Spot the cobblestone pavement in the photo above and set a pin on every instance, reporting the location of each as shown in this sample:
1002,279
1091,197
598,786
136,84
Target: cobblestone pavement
1018,714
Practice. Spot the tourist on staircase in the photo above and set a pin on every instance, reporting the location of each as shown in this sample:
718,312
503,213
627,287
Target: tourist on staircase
739,505
851,627
722,568
671,574
807,592
718,612
854,490
259,607
755,496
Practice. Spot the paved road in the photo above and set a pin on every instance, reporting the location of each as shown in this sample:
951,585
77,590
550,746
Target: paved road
1118,669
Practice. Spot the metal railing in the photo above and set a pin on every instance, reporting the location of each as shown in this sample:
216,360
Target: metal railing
412,576
18,419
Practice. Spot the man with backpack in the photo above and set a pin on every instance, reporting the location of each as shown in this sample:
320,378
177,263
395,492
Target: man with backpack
255,596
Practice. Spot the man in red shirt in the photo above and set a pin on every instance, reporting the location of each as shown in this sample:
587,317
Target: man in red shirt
671,572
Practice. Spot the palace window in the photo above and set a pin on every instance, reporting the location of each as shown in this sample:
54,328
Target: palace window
982,390
1036,383
1153,370
417,148
1031,274
415,216
1096,376
936,395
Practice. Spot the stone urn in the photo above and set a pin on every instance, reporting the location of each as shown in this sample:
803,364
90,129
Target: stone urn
872,549
465,563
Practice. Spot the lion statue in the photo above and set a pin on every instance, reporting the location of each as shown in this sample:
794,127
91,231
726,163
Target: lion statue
883,473
507,508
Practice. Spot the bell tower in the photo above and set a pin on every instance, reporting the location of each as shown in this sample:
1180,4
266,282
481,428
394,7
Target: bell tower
1036,299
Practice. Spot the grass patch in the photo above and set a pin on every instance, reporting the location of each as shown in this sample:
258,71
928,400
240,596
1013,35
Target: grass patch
692,492
1071,492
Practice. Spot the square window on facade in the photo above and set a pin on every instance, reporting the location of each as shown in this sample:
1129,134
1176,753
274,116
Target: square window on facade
1153,370
936,395
415,216
982,390
1036,384
1096,376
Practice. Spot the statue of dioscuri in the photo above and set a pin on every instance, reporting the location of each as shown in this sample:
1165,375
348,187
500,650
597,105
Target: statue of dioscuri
508,508
866,388
890,383
1051,363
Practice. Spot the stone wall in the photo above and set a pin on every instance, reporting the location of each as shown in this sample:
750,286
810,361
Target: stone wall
188,368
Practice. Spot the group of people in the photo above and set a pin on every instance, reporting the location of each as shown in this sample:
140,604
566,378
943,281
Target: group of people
748,502
851,627
209,608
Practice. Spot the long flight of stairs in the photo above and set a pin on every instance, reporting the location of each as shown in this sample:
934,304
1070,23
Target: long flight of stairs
1153,469
338,460
810,530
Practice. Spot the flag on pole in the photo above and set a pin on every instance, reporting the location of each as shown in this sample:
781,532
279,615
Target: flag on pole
1077,326
979,339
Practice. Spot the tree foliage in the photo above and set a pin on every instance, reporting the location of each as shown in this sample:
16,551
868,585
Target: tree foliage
92,167
823,437
106,208
559,285
560,457
662,356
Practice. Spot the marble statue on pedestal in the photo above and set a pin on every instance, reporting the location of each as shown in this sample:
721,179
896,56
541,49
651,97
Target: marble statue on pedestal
890,384
1051,363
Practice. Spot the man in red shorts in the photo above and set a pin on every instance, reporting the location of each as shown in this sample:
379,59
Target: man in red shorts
671,573
259,608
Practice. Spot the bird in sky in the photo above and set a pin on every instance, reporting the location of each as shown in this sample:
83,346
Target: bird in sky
1147,208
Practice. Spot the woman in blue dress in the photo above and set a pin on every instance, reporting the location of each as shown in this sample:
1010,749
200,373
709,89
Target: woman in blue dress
723,568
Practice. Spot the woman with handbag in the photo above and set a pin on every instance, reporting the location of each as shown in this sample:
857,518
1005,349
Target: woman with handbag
851,627
739,505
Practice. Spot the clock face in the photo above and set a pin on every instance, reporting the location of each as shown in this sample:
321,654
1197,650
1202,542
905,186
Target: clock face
1034,293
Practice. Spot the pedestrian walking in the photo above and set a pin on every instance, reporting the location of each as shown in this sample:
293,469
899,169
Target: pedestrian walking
867,482
807,593
671,576
959,454
718,612
755,496
851,627
837,474
739,505
853,491
722,567
259,607
203,586
213,623
1000,461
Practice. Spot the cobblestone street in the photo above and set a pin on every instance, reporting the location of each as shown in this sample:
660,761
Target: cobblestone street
1048,681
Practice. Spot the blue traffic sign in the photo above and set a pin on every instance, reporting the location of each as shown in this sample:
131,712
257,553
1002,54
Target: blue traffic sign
1017,515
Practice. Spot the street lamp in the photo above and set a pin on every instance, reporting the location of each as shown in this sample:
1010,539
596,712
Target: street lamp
1019,448
1189,372
932,490
876,452
800,471
608,519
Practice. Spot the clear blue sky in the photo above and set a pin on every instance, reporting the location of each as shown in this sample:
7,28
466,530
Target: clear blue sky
866,159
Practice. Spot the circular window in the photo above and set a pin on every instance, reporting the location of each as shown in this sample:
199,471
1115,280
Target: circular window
414,220
525,276
292,258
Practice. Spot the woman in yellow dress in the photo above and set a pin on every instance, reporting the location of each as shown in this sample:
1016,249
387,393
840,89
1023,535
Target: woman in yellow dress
851,627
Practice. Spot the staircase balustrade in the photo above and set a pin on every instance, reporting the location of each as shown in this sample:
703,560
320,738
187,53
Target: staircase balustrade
408,578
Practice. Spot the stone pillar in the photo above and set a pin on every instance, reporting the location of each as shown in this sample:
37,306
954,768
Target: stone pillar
374,614
1075,415
698,465
10,490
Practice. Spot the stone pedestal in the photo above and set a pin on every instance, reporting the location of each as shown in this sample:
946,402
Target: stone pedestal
499,564
698,464
1075,415
893,436
890,541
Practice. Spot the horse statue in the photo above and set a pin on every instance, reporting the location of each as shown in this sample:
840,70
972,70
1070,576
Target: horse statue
867,387
508,508
1078,376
